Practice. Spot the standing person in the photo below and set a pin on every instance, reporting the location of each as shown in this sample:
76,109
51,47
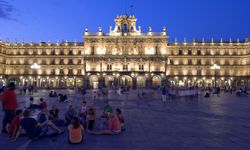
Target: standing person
9,106
164,94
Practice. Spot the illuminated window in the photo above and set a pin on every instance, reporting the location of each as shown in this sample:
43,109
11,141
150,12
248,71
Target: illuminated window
125,67
109,67
141,67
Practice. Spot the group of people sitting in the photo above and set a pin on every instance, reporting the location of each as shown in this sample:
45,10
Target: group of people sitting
77,122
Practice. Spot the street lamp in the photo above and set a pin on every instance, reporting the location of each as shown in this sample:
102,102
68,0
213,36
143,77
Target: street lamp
35,67
215,67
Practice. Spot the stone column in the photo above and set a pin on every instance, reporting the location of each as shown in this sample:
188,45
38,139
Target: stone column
149,82
86,82
101,81
134,83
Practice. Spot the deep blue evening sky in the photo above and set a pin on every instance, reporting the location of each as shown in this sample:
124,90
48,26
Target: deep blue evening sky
66,19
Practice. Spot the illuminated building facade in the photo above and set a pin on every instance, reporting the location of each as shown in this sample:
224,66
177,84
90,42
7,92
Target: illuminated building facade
126,57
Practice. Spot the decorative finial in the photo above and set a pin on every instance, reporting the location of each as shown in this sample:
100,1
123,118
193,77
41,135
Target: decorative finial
110,29
139,28
212,40
221,40
149,29
7,40
86,29
203,40
230,40
15,41
185,40
238,40
175,40
75,42
100,29
164,29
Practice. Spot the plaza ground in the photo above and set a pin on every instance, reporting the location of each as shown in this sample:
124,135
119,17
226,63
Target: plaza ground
181,123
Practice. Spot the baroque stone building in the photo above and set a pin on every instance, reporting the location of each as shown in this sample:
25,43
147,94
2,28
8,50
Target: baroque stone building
126,57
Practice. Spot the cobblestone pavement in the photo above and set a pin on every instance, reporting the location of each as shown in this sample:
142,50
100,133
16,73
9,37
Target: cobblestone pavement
181,123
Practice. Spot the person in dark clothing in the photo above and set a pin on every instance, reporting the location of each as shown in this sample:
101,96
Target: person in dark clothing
33,128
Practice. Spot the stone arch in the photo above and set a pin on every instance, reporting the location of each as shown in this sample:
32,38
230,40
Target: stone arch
140,81
156,81
126,80
109,81
93,81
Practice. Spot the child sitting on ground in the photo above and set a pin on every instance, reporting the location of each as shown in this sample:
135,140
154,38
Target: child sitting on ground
76,131
91,117
15,123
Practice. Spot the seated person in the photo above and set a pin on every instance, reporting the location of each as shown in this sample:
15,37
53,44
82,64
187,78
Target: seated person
121,118
51,94
70,114
43,104
32,104
83,113
53,114
107,108
207,94
15,123
75,131
91,117
114,126
33,128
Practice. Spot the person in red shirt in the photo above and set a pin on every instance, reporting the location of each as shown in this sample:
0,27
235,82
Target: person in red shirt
9,103
15,123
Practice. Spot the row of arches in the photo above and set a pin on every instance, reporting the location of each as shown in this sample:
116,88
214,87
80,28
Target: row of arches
122,81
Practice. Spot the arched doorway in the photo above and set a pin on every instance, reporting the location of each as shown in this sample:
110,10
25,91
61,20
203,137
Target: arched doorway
141,82
125,81
15,81
109,81
93,82
156,81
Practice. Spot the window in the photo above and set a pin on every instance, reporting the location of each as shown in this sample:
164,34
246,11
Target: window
61,62
198,72
199,52
125,28
171,61
61,71
125,67
79,71
189,62
71,62
70,52
61,52
198,62
189,52
141,67
180,52
70,71
109,67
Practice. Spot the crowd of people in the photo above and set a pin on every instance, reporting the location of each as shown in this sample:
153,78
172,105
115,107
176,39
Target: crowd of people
37,121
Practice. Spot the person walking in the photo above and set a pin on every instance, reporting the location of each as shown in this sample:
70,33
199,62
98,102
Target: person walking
164,94
9,103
